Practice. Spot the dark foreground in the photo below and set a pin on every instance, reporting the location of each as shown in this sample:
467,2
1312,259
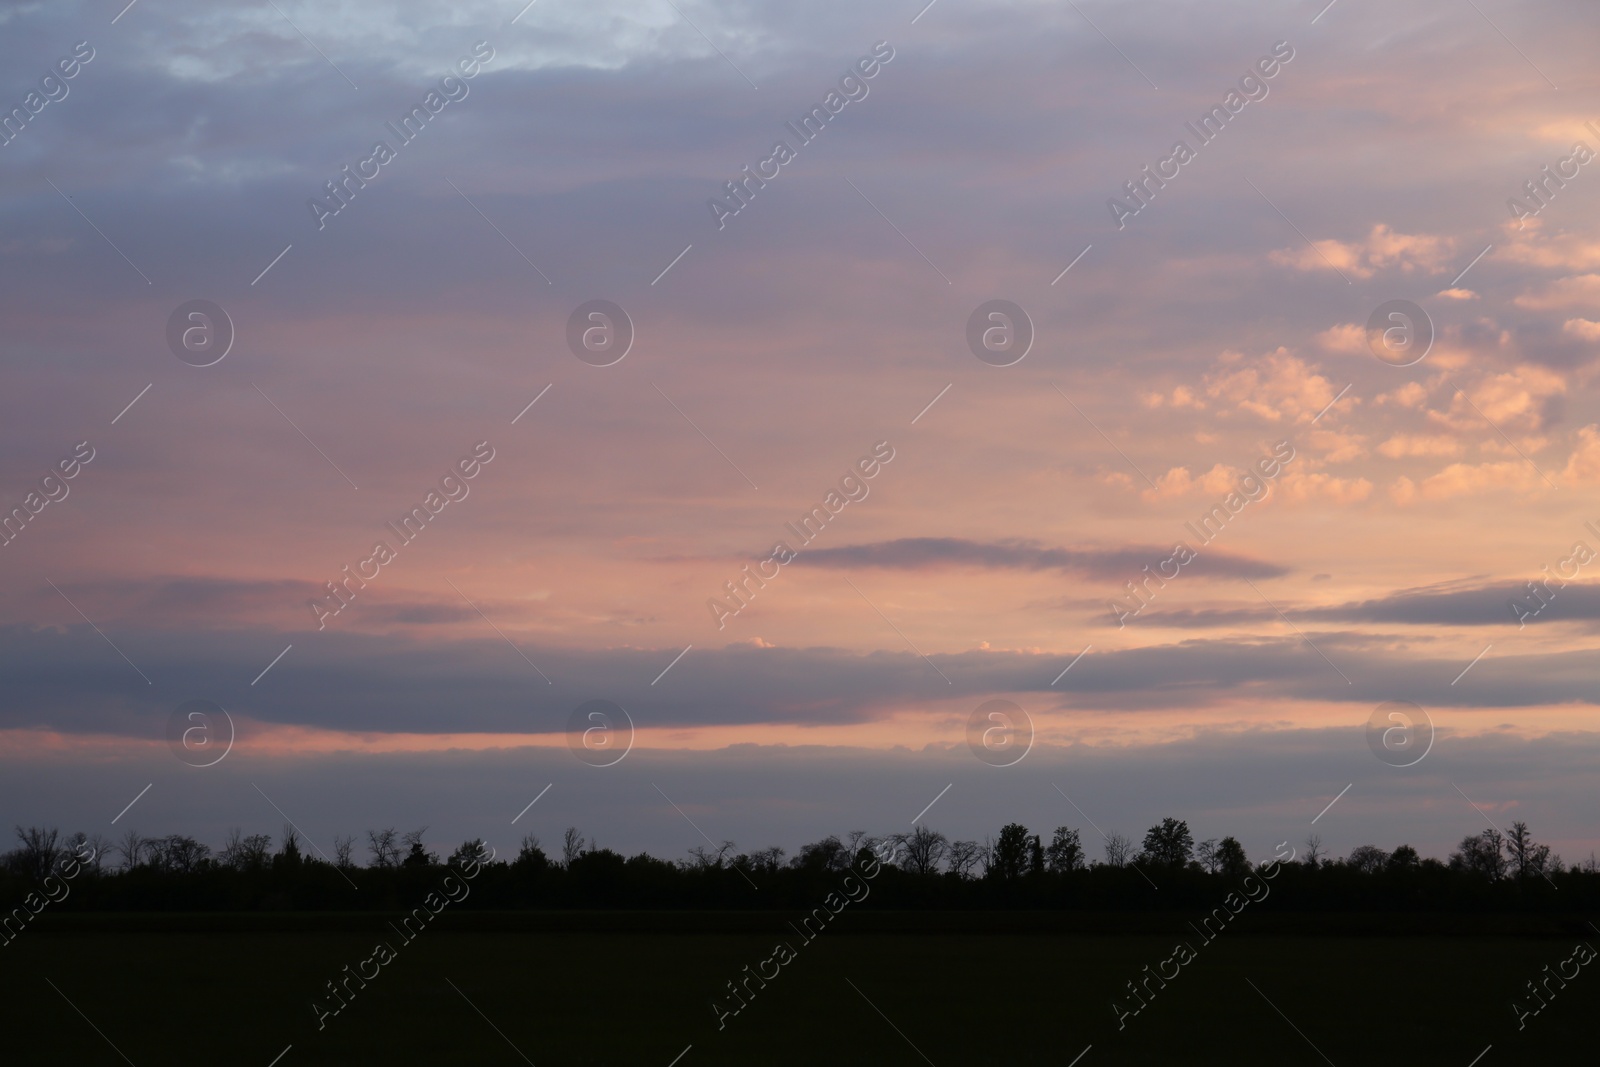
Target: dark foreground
625,988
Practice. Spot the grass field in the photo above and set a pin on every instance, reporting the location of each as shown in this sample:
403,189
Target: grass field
633,990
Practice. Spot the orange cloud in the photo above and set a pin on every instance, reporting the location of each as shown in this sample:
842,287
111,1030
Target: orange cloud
1178,482
1581,290
1383,249
1464,479
1587,329
1583,466
1516,400
1420,445
1278,386
1301,486
1410,395
1535,247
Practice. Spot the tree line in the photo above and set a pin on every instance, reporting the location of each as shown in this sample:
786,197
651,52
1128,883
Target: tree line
1014,868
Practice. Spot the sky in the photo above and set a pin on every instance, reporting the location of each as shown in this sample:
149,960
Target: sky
1197,345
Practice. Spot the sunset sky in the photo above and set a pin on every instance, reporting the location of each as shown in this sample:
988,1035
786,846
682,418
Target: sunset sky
1225,320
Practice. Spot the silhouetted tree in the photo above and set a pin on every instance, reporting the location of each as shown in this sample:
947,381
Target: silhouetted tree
1065,852
1527,857
75,845
572,847
229,855
1231,858
829,854
385,847
1010,856
179,871
1482,854
416,854
530,857
1169,843
1206,853
245,853
1404,858
344,847
1368,859
1119,850
38,854
855,842
256,849
962,857
130,846
101,846
177,853
704,857
1313,853
763,861
473,851
289,851
920,850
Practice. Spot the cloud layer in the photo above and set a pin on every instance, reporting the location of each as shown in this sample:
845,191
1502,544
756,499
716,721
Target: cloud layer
373,347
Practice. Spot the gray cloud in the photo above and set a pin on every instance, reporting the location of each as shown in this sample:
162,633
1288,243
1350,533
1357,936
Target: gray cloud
927,553
183,602
70,680
1446,605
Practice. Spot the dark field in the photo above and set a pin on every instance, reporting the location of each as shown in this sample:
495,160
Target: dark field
635,989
